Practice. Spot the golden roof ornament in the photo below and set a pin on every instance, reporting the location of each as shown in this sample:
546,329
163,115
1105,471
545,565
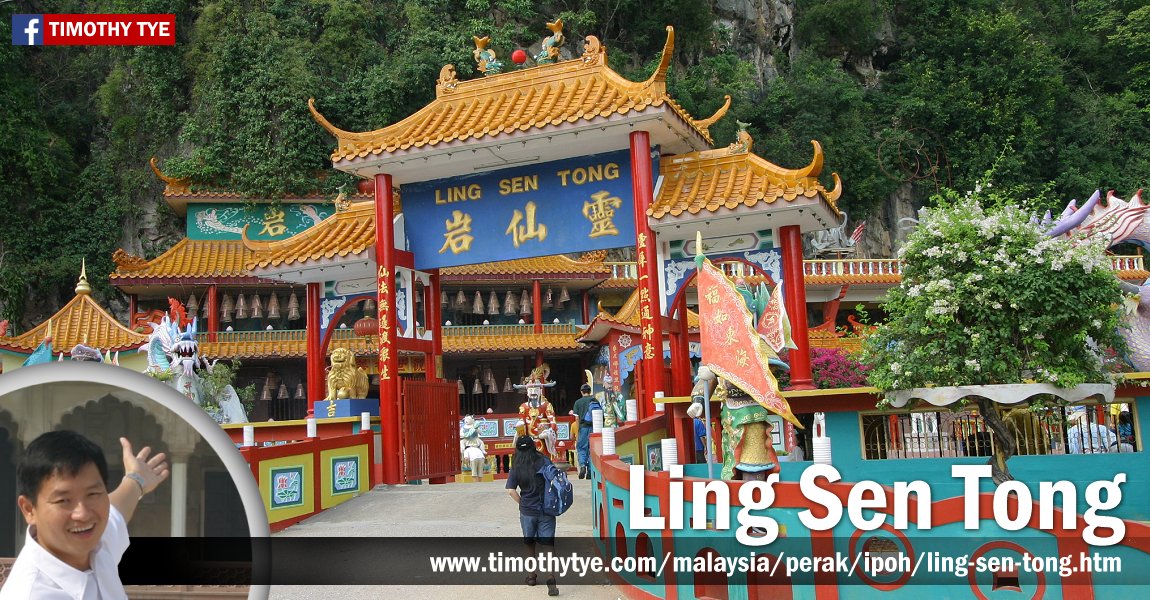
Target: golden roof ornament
743,140
485,59
447,80
82,287
341,201
173,185
594,52
549,53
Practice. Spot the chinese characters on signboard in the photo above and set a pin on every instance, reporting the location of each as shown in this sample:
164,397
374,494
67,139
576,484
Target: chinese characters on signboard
564,206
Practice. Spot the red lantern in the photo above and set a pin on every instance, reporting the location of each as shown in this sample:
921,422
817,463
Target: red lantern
365,186
519,57
366,326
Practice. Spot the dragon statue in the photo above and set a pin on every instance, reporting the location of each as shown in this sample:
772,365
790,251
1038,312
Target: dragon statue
1119,221
174,352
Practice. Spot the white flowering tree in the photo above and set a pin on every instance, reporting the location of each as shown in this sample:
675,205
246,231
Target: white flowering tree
988,298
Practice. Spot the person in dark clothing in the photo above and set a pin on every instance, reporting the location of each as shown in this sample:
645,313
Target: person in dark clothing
583,444
525,486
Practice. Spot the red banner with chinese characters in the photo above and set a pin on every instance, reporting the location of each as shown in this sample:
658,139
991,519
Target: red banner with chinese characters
731,346
384,283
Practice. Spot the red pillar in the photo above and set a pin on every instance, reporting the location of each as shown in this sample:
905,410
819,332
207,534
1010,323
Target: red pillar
213,312
643,187
435,315
389,408
682,368
537,314
586,307
131,311
796,304
315,356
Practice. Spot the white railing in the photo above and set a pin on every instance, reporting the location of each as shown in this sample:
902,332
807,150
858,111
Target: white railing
1127,263
852,266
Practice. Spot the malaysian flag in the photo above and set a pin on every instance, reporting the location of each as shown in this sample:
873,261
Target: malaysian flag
857,235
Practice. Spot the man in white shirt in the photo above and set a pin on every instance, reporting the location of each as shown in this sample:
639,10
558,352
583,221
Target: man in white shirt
1088,438
77,530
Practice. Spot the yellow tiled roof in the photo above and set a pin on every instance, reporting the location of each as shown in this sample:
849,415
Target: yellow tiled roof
564,92
713,179
207,259
295,347
557,265
627,317
347,232
81,321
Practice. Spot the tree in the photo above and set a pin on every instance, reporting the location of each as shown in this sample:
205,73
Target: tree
987,298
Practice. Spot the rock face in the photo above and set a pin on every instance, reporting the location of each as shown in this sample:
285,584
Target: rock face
756,29
886,230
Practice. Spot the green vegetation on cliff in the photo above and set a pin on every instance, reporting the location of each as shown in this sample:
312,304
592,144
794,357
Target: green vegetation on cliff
919,93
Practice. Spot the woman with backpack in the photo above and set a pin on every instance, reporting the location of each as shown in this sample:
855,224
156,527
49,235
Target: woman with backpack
526,485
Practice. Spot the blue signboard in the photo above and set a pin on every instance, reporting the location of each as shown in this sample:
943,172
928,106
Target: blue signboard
558,207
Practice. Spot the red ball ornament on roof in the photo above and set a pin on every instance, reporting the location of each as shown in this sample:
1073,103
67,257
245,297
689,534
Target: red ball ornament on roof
519,57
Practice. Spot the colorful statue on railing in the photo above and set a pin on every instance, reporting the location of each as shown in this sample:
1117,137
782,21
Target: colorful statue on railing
1119,221
549,53
741,341
748,446
471,447
173,357
537,414
344,379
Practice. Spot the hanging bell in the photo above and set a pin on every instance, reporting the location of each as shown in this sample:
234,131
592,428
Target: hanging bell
283,395
564,296
548,298
525,303
274,306
257,307
477,307
459,384
477,388
299,392
241,307
493,304
192,305
206,309
293,306
267,395
226,309
507,385
442,299
460,301
369,307
511,303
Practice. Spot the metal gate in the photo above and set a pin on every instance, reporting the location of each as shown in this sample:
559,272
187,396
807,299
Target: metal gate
430,429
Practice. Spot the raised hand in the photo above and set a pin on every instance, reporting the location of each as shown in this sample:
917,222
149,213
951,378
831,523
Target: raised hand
152,471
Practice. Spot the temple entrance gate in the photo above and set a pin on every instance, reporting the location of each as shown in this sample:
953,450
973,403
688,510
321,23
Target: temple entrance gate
430,430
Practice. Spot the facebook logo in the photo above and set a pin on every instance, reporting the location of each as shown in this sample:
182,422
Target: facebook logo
27,30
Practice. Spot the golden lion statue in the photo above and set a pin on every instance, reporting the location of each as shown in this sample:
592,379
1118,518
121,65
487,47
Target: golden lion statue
344,379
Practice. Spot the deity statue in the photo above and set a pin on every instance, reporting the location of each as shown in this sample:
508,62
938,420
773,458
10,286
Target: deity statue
471,447
748,446
537,414
614,408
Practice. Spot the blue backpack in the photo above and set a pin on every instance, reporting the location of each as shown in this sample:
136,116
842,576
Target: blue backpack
592,405
557,492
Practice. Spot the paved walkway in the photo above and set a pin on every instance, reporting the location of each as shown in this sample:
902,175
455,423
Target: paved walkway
451,510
